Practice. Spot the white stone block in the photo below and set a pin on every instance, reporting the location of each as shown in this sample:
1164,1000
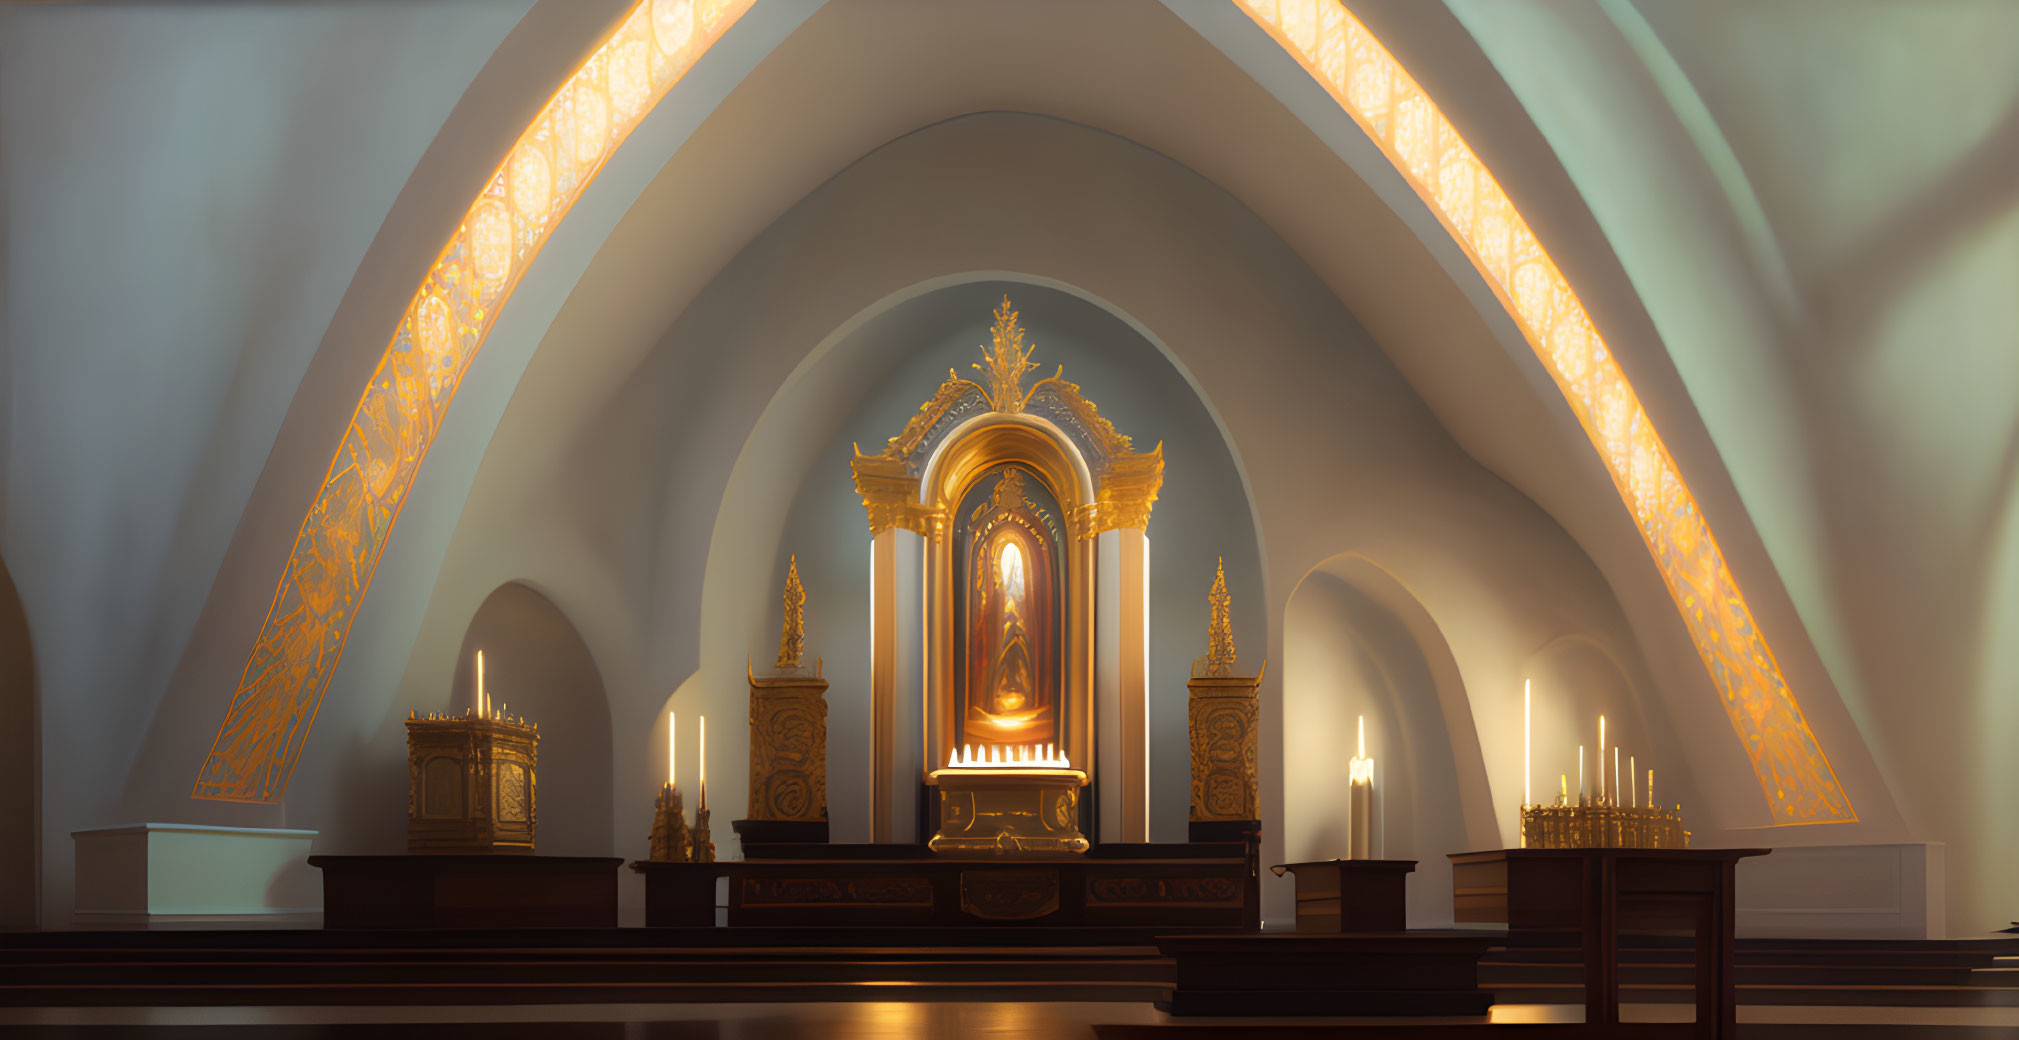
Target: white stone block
155,870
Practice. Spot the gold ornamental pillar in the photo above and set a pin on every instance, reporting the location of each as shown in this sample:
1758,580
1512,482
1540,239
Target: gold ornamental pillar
788,738
1225,721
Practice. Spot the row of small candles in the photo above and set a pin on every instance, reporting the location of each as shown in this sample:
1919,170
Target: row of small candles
1033,756
1603,795
480,705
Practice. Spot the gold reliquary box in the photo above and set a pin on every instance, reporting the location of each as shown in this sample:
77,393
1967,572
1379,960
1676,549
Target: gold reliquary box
471,783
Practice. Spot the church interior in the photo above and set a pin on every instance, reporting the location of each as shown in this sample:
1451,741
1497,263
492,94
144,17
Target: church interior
1148,518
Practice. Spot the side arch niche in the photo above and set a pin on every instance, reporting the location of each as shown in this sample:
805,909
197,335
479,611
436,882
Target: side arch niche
1357,645
20,765
537,665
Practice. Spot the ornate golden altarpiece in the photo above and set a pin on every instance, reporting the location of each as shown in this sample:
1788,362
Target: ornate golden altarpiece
471,783
1224,720
1017,499
788,735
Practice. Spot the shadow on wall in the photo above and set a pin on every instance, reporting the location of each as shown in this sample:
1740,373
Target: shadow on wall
537,666
20,765
1347,656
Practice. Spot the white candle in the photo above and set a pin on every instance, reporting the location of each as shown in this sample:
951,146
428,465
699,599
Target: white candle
1525,734
1600,763
1360,800
481,706
1633,779
1615,772
672,749
1580,774
704,762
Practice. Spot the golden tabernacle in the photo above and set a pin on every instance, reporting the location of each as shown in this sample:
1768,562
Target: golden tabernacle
1602,827
788,725
471,784
1224,721
1011,488
1009,807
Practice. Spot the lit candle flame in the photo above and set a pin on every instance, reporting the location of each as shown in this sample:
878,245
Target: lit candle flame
1014,756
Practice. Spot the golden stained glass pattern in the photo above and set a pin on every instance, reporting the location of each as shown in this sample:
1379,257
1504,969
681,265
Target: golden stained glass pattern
1372,87
337,549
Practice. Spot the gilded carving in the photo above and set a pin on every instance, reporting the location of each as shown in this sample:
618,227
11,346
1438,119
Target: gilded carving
1009,895
792,634
788,724
821,891
788,748
472,783
1126,482
1173,891
670,841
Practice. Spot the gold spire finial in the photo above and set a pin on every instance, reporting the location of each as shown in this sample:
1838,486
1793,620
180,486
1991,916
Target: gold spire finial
1004,365
792,639
1220,640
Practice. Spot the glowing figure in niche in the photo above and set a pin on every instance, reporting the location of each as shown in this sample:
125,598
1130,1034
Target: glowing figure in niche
1011,613
1012,692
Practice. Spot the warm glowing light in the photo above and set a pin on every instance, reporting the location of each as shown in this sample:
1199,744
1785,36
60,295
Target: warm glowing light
704,762
1526,737
337,549
483,701
1361,769
672,750
1580,774
1601,758
1015,756
1373,88
1633,780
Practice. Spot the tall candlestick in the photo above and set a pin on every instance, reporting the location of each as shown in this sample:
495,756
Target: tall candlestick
1525,770
1633,779
482,707
1650,789
1580,774
672,749
704,764
1615,772
1360,801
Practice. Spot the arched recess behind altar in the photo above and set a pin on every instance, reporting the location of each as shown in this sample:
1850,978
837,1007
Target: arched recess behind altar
912,490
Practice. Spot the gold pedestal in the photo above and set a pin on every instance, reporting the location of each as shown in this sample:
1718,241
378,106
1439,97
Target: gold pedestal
471,784
670,841
1224,724
788,748
1009,811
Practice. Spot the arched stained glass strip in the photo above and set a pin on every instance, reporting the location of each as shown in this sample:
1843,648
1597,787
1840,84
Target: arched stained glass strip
1373,88
397,415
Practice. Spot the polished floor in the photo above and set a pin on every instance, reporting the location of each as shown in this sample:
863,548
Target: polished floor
927,1021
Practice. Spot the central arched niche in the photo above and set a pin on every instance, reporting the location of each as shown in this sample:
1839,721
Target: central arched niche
864,388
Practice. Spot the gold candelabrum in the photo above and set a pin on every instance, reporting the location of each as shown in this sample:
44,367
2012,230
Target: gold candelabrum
671,842
1601,825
